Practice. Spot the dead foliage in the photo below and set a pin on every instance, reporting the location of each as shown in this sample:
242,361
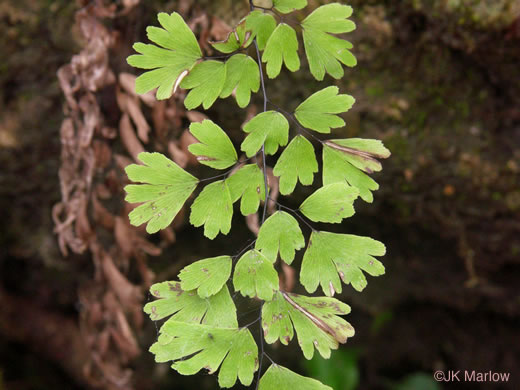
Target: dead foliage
90,176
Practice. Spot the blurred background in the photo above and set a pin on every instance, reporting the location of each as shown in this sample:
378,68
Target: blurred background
438,81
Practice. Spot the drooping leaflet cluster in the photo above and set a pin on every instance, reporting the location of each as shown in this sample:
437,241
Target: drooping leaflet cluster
202,330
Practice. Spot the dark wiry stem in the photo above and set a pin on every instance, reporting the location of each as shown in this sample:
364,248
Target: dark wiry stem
262,352
291,116
238,163
295,212
261,357
265,109
251,323
243,250
269,357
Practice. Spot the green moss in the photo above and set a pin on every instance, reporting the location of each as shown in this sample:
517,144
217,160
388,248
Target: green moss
483,14
400,147
375,90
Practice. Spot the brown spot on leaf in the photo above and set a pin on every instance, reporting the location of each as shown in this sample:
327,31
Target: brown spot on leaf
361,153
205,158
176,287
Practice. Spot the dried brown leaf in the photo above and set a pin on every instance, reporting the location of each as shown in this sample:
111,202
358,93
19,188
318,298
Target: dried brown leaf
127,82
68,139
130,241
122,99
91,119
102,153
82,227
130,140
60,228
289,277
159,119
129,295
101,10
252,110
177,154
124,337
69,84
122,161
102,343
253,223
102,191
175,112
196,116
201,22
274,190
146,275
134,109
184,6
92,63
180,219
129,4
113,182
124,237
220,30
101,215
186,140
168,235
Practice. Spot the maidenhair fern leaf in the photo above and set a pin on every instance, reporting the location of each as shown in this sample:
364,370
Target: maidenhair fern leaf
281,378
187,306
276,321
213,208
297,162
242,77
247,183
331,18
282,47
287,6
348,160
315,319
326,52
362,153
330,256
178,53
331,203
207,276
336,168
167,186
261,25
280,233
206,82
237,39
270,128
255,276
193,347
319,111
214,149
